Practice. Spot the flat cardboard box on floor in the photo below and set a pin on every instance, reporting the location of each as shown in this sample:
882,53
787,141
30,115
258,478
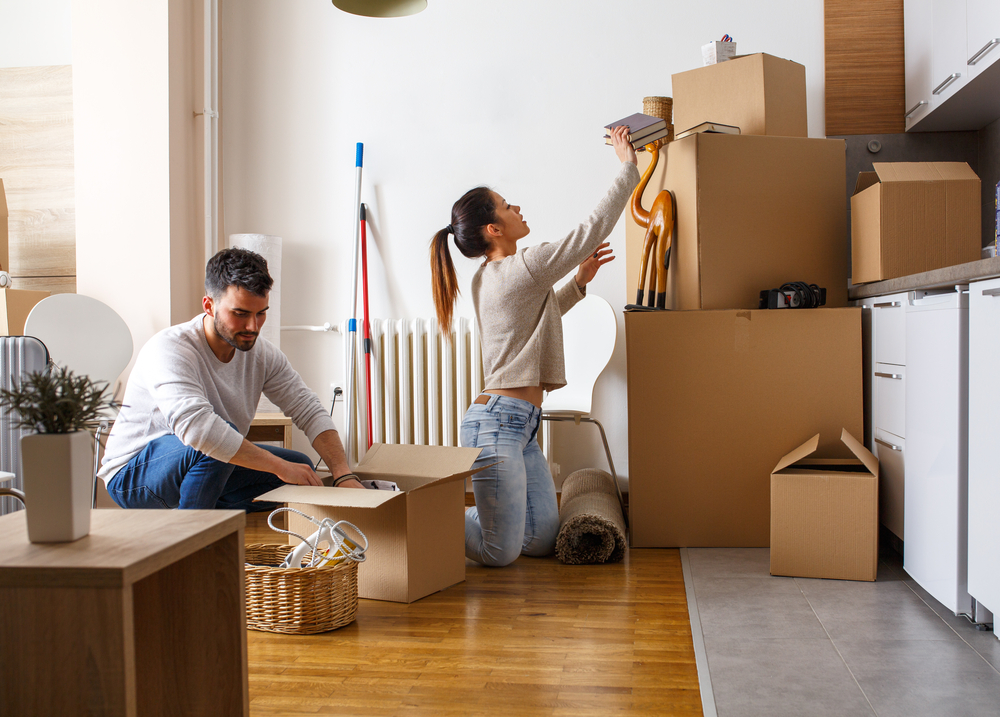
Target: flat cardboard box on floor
752,214
760,94
912,217
714,399
824,513
416,536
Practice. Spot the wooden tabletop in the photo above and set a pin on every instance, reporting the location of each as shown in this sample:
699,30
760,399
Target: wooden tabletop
123,546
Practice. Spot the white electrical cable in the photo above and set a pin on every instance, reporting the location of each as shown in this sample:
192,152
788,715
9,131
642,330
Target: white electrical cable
341,547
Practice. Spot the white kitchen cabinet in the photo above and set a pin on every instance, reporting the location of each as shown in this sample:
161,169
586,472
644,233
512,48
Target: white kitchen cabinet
983,35
917,26
891,453
935,552
949,36
984,442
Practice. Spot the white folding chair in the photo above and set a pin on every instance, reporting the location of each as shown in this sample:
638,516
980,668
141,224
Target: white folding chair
590,330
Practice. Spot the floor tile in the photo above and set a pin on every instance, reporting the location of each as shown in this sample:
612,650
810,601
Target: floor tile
984,642
755,608
795,677
873,611
730,562
913,678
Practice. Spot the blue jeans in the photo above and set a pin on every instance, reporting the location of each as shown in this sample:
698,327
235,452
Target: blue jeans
168,474
516,511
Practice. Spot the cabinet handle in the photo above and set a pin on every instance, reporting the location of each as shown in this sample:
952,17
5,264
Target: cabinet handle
983,52
915,107
888,304
890,446
991,292
897,376
940,88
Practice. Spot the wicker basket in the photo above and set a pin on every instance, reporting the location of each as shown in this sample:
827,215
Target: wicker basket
662,107
298,602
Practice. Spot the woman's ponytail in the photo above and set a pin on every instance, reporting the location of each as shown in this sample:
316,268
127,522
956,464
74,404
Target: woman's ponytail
470,215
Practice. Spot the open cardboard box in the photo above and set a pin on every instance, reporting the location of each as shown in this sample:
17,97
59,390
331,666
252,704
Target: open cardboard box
912,217
824,513
416,536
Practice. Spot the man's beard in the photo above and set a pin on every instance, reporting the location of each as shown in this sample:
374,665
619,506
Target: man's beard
234,340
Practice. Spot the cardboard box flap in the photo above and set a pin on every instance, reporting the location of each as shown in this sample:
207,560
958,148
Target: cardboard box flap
863,454
865,180
923,171
422,462
333,497
798,454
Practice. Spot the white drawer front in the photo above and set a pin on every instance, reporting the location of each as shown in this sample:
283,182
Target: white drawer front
889,319
889,450
890,398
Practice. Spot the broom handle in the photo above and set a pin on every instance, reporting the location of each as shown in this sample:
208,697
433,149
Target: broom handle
352,428
367,326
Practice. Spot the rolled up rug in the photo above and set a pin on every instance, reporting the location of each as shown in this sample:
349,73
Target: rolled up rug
591,524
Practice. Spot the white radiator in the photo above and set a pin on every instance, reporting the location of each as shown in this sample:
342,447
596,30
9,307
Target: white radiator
421,383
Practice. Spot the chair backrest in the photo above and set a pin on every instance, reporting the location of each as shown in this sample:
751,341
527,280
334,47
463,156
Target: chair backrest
83,334
590,330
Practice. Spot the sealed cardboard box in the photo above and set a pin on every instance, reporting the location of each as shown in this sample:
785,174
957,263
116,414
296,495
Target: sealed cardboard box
760,94
911,217
752,214
824,513
714,397
416,536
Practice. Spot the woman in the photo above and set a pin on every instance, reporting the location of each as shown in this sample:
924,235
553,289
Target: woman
519,315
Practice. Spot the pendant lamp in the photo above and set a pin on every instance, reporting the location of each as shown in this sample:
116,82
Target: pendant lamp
381,8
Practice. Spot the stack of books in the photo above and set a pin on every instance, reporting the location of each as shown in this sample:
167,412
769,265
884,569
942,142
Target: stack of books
711,127
643,129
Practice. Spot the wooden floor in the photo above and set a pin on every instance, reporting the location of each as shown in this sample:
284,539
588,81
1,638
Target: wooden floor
535,638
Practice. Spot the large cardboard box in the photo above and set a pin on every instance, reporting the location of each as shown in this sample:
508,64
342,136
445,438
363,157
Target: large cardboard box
4,236
416,536
760,94
911,217
715,398
824,513
15,305
752,214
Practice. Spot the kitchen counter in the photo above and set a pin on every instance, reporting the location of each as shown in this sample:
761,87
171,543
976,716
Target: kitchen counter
937,279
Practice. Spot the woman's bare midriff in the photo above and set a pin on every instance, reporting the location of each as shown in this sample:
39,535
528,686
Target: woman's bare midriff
531,394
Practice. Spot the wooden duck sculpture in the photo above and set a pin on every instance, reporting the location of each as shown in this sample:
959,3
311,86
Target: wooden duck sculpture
659,223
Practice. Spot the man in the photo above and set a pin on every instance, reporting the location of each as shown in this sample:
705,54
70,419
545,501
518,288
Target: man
179,439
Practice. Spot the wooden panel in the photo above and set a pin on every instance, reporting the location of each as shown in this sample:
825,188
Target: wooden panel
36,164
865,84
51,284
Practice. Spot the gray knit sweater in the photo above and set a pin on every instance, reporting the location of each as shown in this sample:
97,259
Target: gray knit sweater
179,386
519,311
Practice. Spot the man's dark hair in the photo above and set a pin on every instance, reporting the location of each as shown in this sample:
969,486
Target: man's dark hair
237,267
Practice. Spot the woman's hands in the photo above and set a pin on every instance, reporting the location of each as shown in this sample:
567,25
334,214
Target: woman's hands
623,148
588,269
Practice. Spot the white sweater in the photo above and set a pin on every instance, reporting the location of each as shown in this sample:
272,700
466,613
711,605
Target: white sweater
179,386
520,314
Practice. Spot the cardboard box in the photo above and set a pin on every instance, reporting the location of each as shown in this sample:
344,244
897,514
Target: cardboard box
416,536
824,513
752,214
714,397
760,94
15,305
911,217
4,236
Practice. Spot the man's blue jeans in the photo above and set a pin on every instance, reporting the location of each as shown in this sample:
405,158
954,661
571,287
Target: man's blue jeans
516,511
168,474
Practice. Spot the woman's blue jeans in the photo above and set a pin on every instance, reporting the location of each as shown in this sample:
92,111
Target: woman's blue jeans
168,474
516,511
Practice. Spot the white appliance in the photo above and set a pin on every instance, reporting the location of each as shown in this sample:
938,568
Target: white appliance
984,442
935,550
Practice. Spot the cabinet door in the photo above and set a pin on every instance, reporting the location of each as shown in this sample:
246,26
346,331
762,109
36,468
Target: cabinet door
983,35
889,317
948,49
984,442
889,450
917,44
890,399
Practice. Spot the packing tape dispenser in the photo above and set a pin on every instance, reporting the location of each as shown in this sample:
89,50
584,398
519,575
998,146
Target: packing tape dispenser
339,547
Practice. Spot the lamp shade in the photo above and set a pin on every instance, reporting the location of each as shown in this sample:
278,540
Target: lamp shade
381,8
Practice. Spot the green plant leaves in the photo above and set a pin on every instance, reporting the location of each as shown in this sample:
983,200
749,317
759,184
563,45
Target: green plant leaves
56,401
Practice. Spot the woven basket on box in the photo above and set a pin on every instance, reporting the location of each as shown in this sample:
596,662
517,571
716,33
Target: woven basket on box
662,107
300,601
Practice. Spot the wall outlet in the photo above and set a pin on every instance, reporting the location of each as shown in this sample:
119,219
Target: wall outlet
332,391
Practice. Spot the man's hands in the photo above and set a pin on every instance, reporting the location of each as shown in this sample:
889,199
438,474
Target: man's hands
588,269
298,474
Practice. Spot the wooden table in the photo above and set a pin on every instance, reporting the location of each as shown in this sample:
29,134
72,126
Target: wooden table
271,427
144,616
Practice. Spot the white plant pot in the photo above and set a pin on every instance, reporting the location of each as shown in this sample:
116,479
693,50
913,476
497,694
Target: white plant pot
57,469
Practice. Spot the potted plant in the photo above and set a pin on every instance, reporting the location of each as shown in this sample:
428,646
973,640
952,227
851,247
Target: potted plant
57,460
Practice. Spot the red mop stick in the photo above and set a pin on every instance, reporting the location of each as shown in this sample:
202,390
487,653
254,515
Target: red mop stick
367,328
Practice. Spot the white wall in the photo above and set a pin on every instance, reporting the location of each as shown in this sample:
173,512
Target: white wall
511,94
35,33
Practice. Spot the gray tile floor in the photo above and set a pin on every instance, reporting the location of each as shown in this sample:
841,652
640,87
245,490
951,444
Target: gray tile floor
792,646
